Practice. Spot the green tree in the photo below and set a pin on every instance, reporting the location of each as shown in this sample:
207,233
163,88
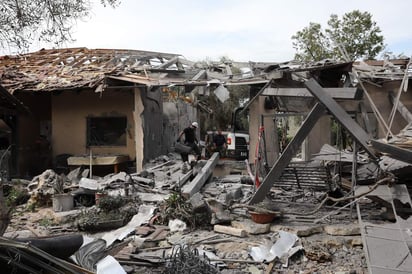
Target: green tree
311,43
355,32
221,116
24,21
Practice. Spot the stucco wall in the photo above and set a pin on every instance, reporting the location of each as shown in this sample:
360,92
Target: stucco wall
32,157
139,133
319,135
69,113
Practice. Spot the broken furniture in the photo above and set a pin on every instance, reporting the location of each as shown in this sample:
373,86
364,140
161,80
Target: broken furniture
99,160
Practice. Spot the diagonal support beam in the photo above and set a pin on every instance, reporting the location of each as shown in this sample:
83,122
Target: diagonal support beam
358,133
276,171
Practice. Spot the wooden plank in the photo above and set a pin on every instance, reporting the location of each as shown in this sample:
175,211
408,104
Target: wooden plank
340,115
197,183
365,117
337,93
395,152
276,171
199,75
403,110
249,103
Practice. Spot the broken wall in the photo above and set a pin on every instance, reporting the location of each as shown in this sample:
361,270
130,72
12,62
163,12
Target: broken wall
176,116
152,118
320,134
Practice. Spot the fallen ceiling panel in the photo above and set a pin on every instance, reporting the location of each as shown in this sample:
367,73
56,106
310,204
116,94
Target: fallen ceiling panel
388,245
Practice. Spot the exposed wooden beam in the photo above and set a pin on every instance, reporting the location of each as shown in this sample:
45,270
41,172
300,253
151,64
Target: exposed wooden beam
340,115
337,93
256,96
394,152
382,62
199,75
365,118
276,171
168,63
403,110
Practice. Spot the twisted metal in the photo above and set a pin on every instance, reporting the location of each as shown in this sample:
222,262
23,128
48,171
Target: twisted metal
184,260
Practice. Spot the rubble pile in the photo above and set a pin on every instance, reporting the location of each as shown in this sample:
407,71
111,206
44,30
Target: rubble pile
145,221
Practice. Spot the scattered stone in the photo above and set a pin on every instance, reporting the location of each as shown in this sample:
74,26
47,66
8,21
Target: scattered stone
177,225
342,230
221,217
316,251
355,241
251,227
152,197
198,203
230,193
253,270
300,231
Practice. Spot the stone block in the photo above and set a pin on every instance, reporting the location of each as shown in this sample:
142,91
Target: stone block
198,203
342,230
251,227
300,231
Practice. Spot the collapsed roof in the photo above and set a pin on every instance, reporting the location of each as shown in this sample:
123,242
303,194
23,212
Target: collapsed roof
78,68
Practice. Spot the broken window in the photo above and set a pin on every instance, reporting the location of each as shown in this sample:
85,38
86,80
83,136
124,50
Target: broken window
106,131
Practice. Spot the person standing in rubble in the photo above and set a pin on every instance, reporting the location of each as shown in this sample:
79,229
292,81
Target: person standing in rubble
190,140
219,143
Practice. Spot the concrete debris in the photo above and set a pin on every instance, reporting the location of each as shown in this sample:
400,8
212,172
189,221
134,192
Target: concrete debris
251,227
109,265
228,238
342,230
177,225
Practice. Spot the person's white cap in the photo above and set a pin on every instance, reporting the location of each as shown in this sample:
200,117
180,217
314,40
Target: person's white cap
194,124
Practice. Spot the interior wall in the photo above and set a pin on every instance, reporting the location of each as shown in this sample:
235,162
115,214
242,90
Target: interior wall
34,153
256,109
319,135
69,120
380,96
153,123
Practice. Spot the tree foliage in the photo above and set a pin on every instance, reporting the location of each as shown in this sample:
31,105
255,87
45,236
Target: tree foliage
222,112
23,22
355,32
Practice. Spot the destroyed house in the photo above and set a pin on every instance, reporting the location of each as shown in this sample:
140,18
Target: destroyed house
367,91
100,105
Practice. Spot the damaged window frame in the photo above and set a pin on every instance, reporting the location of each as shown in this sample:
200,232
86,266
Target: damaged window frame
97,131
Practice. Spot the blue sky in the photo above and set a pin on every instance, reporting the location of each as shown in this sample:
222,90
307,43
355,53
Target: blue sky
242,30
